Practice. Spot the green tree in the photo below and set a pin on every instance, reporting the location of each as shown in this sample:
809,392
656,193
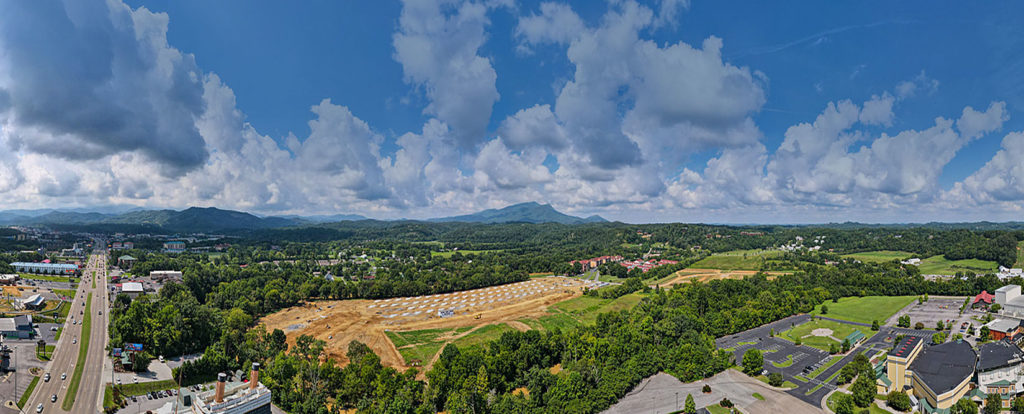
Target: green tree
938,337
993,404
964,406
775,379
863,390
844,404
898,400
824,309
939,326
874,325
1017,405
753,362
689,407
984,333
919,326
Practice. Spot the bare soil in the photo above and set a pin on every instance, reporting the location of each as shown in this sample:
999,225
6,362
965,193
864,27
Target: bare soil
706,275
339,322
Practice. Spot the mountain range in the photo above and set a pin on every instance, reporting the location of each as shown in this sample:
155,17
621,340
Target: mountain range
211,219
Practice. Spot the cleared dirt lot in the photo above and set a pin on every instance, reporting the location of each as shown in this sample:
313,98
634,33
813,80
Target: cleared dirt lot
705,275
936,309
657,394
340,322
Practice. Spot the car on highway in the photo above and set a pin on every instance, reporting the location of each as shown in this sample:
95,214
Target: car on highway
46,378
74,341
53,398
63,376
39,408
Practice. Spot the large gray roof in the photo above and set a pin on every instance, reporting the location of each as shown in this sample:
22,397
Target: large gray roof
942,367
997,355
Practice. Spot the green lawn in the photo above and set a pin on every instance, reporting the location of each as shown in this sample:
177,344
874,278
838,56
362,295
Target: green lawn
83,350
482,335
421,345
736,260
879,256
865,309
939,265
48,353
28,392
65,292
60,329
827,381
49,278
718,409
758,396
839,331
1020,255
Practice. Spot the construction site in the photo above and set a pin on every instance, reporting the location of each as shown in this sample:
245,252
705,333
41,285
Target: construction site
707,275
339,322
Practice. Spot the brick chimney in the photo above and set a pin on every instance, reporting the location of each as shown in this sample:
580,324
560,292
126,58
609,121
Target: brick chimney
254,376
218,396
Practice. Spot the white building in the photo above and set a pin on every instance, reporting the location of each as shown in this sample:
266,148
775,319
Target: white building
132,289
912,261
165,275
999,368
1008,297
1005,272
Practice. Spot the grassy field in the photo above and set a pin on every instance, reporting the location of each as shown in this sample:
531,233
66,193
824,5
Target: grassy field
802,331
83,350
49,278
939,265
1020,255
785,363
880,256
64,292
865,309
28,392
45,356
422,345
736,260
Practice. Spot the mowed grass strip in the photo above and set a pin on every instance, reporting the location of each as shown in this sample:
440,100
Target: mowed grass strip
940,265
737,260
83,351
803,332
28,392
879,256
864,309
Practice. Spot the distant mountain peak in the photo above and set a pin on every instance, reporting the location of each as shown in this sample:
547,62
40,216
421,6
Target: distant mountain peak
528,212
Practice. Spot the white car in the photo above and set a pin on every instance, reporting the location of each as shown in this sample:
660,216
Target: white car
63,376
74,341
53,398
39,408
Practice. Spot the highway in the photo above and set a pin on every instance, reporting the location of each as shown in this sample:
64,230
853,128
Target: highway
89,398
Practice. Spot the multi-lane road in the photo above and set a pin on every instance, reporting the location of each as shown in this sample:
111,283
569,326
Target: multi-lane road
89,398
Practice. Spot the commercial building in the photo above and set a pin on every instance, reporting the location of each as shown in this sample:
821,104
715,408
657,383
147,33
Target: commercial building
1009,299
46,268
175,246
9,279
937,375
19,327
1003,328
34,302
941,375
250,397
132,289
164,275
126,262
982,300
588,264
999,371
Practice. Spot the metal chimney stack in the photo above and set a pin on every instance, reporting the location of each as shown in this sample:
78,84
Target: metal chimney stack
218,397
254,376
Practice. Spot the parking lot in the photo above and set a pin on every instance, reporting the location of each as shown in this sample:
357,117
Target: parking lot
945,309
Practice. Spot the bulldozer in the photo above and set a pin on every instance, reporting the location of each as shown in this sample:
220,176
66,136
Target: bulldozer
478,316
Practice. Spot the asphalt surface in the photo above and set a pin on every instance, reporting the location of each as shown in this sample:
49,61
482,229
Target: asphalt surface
805,356
89,398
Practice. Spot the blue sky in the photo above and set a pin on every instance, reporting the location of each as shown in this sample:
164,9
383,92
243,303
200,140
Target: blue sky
641,111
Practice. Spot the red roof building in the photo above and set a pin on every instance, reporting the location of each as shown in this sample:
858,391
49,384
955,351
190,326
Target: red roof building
983,299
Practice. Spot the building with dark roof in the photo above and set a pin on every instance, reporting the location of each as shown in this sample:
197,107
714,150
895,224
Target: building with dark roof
940,374
896,362
999,370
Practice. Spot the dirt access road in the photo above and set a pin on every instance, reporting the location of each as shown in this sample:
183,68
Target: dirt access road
339,322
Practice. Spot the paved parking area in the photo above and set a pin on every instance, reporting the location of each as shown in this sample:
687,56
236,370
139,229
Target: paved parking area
659,394
13,384
944,308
